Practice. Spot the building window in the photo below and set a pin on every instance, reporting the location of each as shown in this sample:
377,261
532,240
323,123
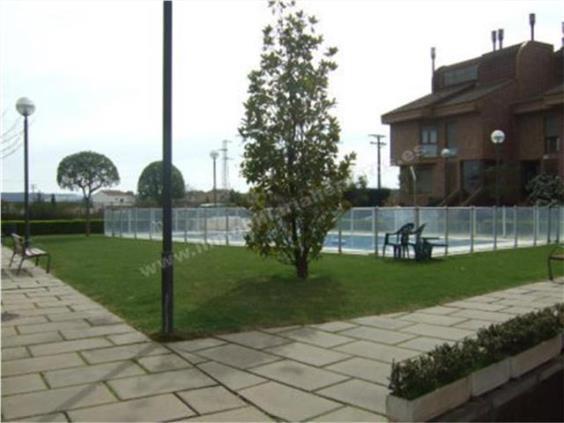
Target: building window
451,136
424,177
429,141
551,134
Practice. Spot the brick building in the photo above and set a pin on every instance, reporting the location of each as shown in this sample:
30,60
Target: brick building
518,89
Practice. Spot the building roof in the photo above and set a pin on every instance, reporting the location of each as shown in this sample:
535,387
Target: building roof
447,97
115,192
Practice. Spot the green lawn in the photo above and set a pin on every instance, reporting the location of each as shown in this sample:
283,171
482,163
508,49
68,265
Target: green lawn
228,289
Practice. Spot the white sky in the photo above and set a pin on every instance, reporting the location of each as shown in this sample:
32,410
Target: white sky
93,70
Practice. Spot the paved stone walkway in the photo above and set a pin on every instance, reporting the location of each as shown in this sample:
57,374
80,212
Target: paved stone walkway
66,358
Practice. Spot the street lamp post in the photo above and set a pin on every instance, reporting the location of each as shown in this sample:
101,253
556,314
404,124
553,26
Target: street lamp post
214,155
167,257
446,154
25,107
497,137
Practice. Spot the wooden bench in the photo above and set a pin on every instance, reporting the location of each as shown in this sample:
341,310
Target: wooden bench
556,255
28,253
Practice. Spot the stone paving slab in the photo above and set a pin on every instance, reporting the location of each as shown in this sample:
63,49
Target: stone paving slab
247,414
157,408
89,374
316,337
254,339
360,393
123,352
298,375
211,400
68,346
378,335
308,354
159,383
44,402
287,403
69,357
36,364
350,414
14,353
442,332
385,353
237,356
36,338
162,363
21,384
234,379
361,368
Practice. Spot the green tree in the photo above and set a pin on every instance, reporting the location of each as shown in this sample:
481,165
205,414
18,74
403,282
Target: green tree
546,190
87,171
150,184
291,143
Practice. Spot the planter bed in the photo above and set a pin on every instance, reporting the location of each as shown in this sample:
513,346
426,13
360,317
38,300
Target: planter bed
430,385
478,383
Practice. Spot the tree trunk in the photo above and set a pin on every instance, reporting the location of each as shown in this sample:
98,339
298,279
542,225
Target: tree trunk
87,216
302,268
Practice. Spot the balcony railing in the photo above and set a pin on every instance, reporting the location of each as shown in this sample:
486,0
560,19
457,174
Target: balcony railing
428,150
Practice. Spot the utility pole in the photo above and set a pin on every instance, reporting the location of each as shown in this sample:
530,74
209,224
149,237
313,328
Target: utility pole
379,144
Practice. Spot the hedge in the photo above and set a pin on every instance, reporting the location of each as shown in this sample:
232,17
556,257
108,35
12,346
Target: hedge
447,363
53,227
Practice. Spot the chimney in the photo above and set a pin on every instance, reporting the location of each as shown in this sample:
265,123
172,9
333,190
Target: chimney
532,24
500,37
494,39
433,56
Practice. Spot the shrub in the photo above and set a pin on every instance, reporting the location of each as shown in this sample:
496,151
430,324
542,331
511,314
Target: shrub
52,227
447,363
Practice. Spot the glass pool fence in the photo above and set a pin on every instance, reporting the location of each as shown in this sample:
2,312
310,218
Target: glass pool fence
359,230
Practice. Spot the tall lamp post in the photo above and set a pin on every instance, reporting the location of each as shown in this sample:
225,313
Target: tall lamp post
497,137
446,153
214,155
167,257
25,107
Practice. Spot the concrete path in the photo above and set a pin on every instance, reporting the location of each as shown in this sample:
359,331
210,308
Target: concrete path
66,358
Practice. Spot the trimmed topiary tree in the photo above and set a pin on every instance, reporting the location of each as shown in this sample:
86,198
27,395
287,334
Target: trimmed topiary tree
87,171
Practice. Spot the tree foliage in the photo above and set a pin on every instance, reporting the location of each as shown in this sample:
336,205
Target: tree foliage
546,190
359,195
87,171
291,142
150,184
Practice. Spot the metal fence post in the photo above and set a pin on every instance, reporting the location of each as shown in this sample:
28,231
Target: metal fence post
135,223
549,224
351,226
535,224
185,225
417,217
113,225
515,231
226,226
503,222
495,227
375,229
339,239
151,219
205,225
121,222
472,227
446,230
559,220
